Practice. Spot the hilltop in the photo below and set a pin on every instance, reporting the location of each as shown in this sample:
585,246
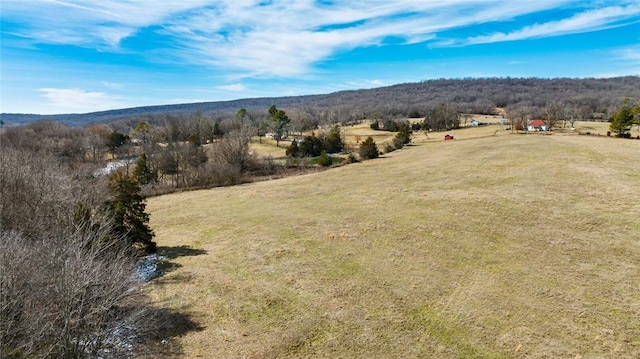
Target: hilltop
597,96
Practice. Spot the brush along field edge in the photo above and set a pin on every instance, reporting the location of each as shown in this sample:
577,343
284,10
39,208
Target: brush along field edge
509,246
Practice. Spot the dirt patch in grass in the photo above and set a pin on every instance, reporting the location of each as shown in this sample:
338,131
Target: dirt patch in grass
505,246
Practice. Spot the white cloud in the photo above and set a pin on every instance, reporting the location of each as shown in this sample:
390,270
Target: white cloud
78,100
233,88
287,38
96,23
592,20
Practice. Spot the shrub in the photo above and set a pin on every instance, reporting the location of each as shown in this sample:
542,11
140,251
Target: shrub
63,297
390,147
398,142
369,149
325,160
403,137
311,146
351,158
293,150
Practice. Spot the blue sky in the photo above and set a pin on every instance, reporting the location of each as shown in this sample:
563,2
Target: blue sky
76,56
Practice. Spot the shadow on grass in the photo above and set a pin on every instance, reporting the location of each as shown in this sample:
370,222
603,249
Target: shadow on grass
180,251
164,327
169,253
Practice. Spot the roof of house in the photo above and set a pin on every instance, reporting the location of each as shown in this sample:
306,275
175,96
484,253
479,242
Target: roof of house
537,123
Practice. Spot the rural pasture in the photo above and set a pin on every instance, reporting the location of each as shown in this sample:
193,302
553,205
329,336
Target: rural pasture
496,245
354,134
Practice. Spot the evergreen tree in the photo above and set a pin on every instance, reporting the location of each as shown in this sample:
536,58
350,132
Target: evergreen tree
403,137
262,128
293,150
369,149
311,146
142,131
333,142
280,123
622,120
217,131
242,118
127,209
143,174
115,141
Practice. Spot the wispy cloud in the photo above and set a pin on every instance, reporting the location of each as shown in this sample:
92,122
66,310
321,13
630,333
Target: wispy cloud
96,23
283,39
112,85
630,56
252,38
79,100
592,20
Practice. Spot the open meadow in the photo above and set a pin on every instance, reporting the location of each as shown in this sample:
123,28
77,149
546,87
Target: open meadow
494,245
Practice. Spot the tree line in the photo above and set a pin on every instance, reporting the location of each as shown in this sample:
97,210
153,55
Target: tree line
596,98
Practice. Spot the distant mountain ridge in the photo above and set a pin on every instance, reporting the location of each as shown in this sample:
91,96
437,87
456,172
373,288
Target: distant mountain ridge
470,95
112,115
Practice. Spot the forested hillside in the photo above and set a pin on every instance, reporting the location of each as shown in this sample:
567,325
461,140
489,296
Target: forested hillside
593,97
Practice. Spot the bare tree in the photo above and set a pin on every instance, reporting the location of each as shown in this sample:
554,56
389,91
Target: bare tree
63,297
37,195
554,112
571,114
519,117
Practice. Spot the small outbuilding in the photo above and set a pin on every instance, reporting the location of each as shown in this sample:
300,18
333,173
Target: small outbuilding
448,137
537,125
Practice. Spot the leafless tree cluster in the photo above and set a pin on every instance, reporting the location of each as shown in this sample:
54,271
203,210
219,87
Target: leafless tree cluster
38,194
199,151
444,117
70,145
65,283
63,296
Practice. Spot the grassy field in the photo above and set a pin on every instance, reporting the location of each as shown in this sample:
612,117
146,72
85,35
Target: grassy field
355,134
491,246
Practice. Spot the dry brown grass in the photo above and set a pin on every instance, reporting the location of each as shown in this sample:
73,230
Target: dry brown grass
266,147
506,246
